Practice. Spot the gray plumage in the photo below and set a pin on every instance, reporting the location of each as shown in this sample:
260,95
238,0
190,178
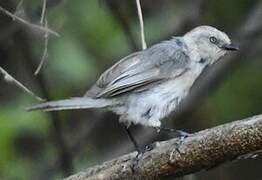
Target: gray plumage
146,86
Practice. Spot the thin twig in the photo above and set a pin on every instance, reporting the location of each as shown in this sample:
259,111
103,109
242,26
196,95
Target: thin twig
45,52
43,14
19,5
139,11
31,25
8,78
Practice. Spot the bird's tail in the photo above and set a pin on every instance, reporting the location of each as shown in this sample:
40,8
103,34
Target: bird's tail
73,103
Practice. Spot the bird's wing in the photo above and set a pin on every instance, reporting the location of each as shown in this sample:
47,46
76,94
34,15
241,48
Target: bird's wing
160,62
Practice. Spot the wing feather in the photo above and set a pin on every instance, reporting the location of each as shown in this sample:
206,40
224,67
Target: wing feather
138,70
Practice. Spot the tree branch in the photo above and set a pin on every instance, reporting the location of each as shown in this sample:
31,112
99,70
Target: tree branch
29,24
10,79
203,150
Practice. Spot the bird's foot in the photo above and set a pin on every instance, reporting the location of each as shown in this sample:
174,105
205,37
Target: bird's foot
179,142
178,133
135,161
140,154
182,135
150,147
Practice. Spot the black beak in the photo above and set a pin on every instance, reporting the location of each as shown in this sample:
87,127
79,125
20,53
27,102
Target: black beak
230,47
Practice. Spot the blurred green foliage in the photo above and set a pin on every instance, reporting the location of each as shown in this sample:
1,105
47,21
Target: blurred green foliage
239,96
14,122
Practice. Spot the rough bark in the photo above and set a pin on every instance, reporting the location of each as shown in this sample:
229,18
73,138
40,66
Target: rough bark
201,151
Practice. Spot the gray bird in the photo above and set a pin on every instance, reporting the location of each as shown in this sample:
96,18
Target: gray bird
146,86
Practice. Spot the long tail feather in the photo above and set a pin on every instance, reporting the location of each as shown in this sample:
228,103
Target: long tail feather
73,103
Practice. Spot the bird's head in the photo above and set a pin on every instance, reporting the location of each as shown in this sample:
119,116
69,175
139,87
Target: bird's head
209,43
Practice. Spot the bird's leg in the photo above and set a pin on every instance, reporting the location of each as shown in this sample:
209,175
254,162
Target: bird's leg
139,151
131,137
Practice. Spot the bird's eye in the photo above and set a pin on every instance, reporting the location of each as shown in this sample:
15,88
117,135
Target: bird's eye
213,40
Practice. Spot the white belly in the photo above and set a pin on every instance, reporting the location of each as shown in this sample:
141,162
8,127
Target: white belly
149,107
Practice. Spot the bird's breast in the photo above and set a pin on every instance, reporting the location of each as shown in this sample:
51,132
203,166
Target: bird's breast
150,106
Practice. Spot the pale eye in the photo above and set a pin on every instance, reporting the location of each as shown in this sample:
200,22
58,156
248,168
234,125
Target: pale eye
213,40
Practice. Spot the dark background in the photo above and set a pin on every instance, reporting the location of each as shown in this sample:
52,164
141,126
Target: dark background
94,35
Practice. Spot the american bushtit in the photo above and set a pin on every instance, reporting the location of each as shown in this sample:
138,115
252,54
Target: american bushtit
146,86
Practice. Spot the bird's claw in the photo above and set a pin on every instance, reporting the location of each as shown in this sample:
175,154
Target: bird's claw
135,161
150,147
182,136
140,154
